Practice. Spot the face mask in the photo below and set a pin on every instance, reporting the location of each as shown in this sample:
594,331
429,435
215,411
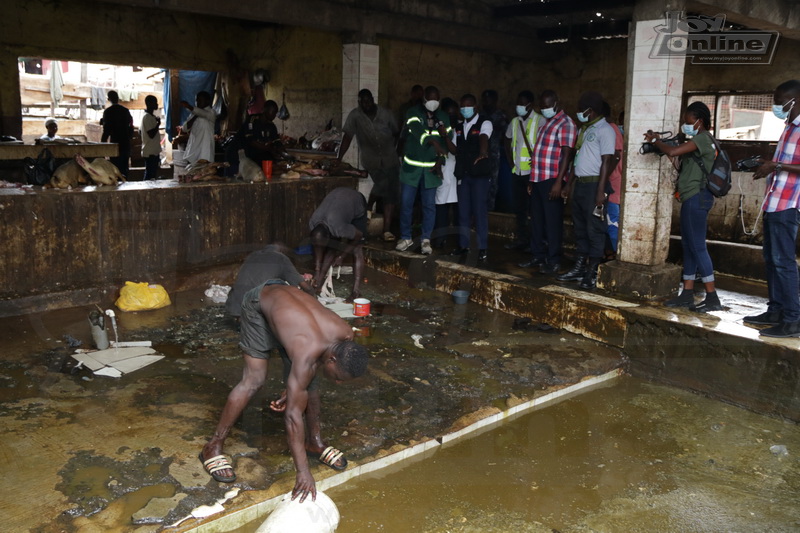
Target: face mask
550,112
522,110
780,111
468,112
690,130
432,105
582,116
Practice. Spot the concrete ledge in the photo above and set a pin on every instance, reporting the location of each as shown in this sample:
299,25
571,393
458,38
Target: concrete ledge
735,259
592,315
722,360
716,356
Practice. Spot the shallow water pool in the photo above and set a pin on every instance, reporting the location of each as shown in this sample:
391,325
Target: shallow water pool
627,457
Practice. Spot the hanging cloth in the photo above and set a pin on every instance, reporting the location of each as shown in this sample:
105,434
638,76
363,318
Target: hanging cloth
56,82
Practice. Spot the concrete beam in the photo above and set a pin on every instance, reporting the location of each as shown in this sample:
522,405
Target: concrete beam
420,21
777,15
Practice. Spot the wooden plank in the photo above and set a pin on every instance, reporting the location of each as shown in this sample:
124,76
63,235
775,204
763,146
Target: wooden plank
59,151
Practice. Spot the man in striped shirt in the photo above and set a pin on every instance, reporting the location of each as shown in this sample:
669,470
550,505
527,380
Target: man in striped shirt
781,219
550,161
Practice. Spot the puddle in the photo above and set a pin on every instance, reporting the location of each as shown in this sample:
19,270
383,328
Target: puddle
96,450
629,457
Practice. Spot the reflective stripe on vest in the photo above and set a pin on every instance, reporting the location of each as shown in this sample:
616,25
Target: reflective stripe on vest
415,163
524,155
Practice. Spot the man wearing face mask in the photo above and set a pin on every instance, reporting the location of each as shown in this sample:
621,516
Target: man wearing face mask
473,170
424,152
551,159
521,136
594,161
781,219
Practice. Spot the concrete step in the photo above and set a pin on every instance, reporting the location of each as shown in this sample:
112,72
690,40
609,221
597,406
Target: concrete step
714,354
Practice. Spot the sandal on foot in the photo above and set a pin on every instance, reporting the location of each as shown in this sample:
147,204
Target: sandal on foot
215,464
330,457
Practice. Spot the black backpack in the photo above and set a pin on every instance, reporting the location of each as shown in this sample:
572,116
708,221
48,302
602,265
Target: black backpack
719,178
38,171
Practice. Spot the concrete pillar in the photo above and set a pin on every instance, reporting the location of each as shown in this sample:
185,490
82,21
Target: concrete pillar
10,102
654,92
360,67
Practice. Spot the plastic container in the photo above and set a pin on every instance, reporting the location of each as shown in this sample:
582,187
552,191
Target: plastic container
99,332
460,297
361,307
266,166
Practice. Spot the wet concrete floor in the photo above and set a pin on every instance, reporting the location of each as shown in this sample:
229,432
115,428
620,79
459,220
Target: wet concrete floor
629,456
104,454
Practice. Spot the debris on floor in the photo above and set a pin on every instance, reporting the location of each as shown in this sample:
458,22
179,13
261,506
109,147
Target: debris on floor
218,293
114,362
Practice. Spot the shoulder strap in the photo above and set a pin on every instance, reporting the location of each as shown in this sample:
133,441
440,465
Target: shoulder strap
699,160
525,136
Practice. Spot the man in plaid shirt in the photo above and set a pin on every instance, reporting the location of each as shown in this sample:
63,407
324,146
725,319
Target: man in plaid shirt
550,161
781,219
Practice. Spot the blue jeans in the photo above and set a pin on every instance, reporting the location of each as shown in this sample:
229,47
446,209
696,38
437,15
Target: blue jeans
473,194
408,194
780,233
694,222
612,219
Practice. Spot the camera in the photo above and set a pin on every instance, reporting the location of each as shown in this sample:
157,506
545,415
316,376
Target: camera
651,148
749,164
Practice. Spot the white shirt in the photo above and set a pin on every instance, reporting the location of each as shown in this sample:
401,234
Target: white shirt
201,136
150,145
447,192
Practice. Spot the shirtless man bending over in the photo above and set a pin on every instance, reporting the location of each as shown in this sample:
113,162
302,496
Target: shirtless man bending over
308,337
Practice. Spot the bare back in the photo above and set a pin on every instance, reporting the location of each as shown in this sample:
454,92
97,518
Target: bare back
301,324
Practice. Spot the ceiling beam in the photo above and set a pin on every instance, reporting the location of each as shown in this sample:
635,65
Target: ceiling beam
431,26
557,7
591,31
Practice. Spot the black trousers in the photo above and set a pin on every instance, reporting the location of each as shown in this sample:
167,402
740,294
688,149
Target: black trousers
446,224
521,205
590,231
547,223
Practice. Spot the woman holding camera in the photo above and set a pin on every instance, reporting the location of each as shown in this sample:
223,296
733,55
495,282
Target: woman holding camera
696,201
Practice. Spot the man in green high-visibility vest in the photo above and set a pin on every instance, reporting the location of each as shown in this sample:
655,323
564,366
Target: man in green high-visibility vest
424,152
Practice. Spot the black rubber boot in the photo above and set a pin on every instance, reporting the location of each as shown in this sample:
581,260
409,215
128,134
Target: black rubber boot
684,299
589,280
711,303
577,271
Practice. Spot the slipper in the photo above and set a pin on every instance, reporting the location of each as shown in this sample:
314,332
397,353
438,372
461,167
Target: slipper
329,457
214,465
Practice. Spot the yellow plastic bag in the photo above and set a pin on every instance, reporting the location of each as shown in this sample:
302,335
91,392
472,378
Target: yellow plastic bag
142,297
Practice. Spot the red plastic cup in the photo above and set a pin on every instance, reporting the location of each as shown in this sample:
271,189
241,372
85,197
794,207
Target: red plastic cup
266,166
